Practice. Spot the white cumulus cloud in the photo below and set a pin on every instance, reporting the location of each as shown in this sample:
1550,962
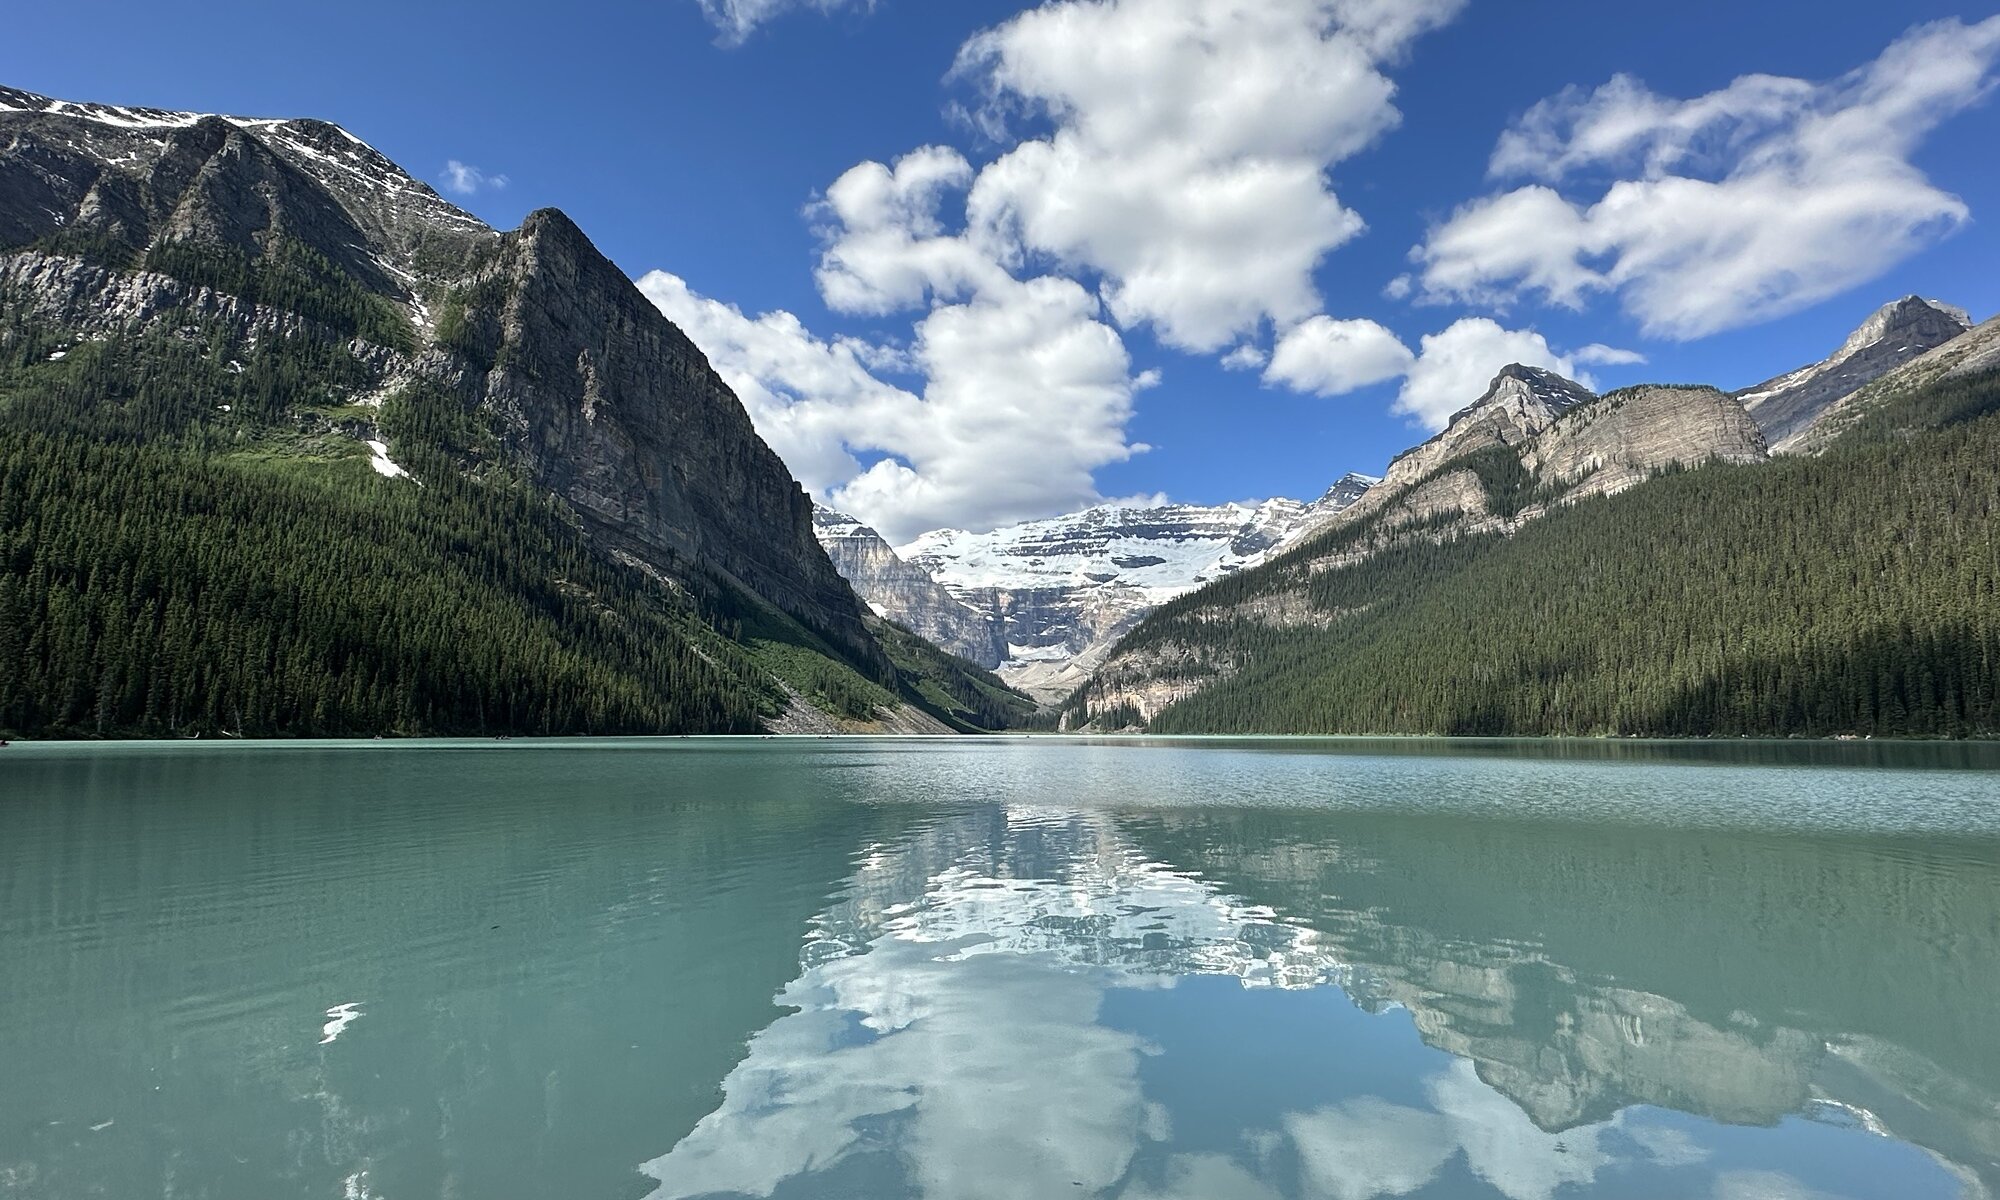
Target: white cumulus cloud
1246,357
1738,206
1608,356
1450,369
1027,393
886,247
1329,357
1192,138
1179,180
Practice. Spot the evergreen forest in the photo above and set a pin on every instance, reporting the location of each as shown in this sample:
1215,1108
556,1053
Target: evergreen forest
195,542
1854,593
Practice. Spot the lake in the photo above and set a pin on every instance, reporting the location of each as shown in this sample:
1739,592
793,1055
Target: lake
1005,968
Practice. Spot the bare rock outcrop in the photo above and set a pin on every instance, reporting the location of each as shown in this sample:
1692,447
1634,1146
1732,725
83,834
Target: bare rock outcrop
1602,448
1974,352
618,412
1786,408
907,594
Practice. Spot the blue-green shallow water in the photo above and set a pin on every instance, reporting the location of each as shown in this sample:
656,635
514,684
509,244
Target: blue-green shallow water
973,969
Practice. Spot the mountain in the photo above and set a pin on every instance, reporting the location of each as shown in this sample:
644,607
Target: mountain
1064,590
1786,408
1630,564
1535,441
1056,594
497,426
906,594
1967,356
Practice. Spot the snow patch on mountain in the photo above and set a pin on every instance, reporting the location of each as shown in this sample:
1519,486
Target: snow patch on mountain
1161,551
1059,592
385,466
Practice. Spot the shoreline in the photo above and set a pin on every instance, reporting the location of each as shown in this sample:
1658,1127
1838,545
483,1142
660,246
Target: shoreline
530,740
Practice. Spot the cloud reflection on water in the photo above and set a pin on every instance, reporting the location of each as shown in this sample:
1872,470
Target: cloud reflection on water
950,1040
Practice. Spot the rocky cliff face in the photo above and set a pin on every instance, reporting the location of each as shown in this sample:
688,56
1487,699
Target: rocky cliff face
1786,408
616,410
1602,448
907,594
1060,592
123,220
1568,442
1520,403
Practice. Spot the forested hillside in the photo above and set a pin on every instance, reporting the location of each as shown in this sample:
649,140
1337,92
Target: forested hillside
1857,592
290,446
173,562
151,590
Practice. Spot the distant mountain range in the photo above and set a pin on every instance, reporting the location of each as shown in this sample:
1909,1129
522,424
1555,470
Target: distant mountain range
1044,601
301,447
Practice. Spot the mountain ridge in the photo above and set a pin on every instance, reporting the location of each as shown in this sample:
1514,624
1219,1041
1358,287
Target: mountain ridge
1556,441
1787,407
304,298
1609,529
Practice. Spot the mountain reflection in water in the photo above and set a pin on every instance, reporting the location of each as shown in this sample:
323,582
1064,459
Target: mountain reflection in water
1207,1002
980,968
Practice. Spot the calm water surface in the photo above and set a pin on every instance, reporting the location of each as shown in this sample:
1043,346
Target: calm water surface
999,969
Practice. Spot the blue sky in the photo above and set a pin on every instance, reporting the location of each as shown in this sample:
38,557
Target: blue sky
1159,185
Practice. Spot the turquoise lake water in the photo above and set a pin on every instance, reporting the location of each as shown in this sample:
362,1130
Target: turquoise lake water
1004,968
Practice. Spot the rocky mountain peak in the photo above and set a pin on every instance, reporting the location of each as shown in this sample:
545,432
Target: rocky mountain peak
1973,352
136,176
1910,317
1787,407
1519,404
123,216
1345,491
829,522
1533,395
907,594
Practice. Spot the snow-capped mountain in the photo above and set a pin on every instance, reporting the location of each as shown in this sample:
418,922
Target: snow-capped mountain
904,593
1787,407
1161,551
1059,592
